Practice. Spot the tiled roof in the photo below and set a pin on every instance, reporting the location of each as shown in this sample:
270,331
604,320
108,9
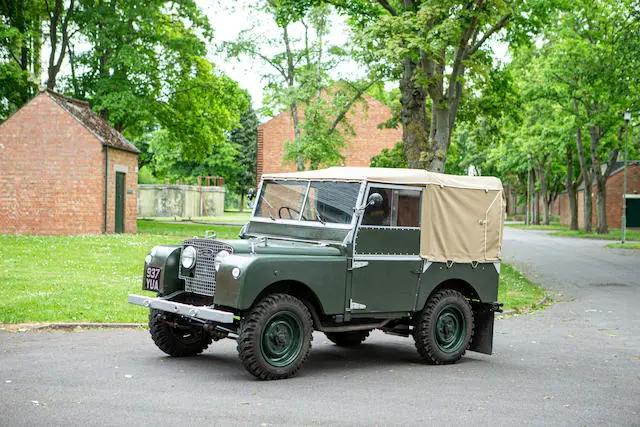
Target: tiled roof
82,112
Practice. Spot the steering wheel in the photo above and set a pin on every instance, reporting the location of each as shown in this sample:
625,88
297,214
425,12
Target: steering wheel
289,210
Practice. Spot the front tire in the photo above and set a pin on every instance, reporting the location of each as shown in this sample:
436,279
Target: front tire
348,339
444,328
274,339
175,341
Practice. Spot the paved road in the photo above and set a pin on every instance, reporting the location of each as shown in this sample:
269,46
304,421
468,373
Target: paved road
575,363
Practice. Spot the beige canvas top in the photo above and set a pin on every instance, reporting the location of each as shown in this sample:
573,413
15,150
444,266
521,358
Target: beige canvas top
462,217
392,176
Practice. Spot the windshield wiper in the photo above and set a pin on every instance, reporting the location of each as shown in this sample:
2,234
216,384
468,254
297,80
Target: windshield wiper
270,207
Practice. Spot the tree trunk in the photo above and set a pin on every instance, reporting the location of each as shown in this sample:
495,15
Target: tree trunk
241,206
588,207
573,208
588,181
601,209
413,115
440,138
571,190
290,83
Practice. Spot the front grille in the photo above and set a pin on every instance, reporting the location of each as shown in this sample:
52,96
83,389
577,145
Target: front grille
203,281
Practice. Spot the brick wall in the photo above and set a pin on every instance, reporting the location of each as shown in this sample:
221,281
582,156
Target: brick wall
614,193
366,143
614,199
51,173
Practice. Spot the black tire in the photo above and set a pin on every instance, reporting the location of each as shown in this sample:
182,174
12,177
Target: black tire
176,342
348,339
444,328
274,339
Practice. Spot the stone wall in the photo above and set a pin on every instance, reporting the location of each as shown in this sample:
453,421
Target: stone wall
184,201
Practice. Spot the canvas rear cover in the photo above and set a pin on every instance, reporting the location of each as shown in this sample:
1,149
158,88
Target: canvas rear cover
461,225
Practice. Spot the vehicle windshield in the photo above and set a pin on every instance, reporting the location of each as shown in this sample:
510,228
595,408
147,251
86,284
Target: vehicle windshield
323,201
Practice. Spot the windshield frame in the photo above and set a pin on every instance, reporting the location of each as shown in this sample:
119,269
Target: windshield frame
299,221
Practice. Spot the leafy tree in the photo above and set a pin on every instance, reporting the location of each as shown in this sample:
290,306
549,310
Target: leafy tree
60,14
299,81
245,137
434,48
390,158
20,46
590,68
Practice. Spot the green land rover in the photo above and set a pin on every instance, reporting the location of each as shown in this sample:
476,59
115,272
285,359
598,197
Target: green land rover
342,251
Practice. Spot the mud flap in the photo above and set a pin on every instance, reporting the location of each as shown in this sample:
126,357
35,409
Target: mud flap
482,341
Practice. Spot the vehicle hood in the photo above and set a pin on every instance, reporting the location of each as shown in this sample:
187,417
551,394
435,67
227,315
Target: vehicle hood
280,247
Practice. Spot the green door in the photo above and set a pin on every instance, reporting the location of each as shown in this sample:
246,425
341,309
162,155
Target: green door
386,264
120,202
633,213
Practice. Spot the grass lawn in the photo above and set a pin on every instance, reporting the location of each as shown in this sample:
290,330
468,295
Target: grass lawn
563,231
614,234
516,291
552,226
187,229
229,217
627,245
87,278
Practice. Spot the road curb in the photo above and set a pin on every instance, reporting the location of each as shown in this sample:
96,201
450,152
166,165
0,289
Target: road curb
540,303
24,327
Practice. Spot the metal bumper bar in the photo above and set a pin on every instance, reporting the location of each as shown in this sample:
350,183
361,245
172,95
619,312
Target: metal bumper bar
192,311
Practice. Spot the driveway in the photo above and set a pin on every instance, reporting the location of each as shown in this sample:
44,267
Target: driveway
574,363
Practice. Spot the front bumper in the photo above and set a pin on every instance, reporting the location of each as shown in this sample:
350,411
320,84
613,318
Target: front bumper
191,311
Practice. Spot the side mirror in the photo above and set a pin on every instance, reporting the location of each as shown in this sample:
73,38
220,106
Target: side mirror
251,193
375,199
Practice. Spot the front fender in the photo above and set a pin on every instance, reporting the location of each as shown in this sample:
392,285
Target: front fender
324,275
167,258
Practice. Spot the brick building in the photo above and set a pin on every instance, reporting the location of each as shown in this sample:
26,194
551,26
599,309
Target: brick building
368,140
614,199
64,170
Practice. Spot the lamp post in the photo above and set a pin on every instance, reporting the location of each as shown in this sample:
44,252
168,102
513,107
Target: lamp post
627,119
527,217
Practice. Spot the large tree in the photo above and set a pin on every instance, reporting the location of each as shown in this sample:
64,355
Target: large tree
434,48
590,67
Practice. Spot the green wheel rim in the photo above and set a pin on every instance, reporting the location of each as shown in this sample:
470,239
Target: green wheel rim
451,328
281,339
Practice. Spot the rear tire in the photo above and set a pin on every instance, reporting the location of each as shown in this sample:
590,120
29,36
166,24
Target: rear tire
348,339
444,328
176,342
274,339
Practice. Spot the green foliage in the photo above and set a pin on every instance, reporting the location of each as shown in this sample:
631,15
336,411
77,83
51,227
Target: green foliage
297,76
390,158
321,142
199,114
245,136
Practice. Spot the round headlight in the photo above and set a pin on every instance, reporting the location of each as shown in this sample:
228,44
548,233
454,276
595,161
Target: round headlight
188,257
218,259
235,273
